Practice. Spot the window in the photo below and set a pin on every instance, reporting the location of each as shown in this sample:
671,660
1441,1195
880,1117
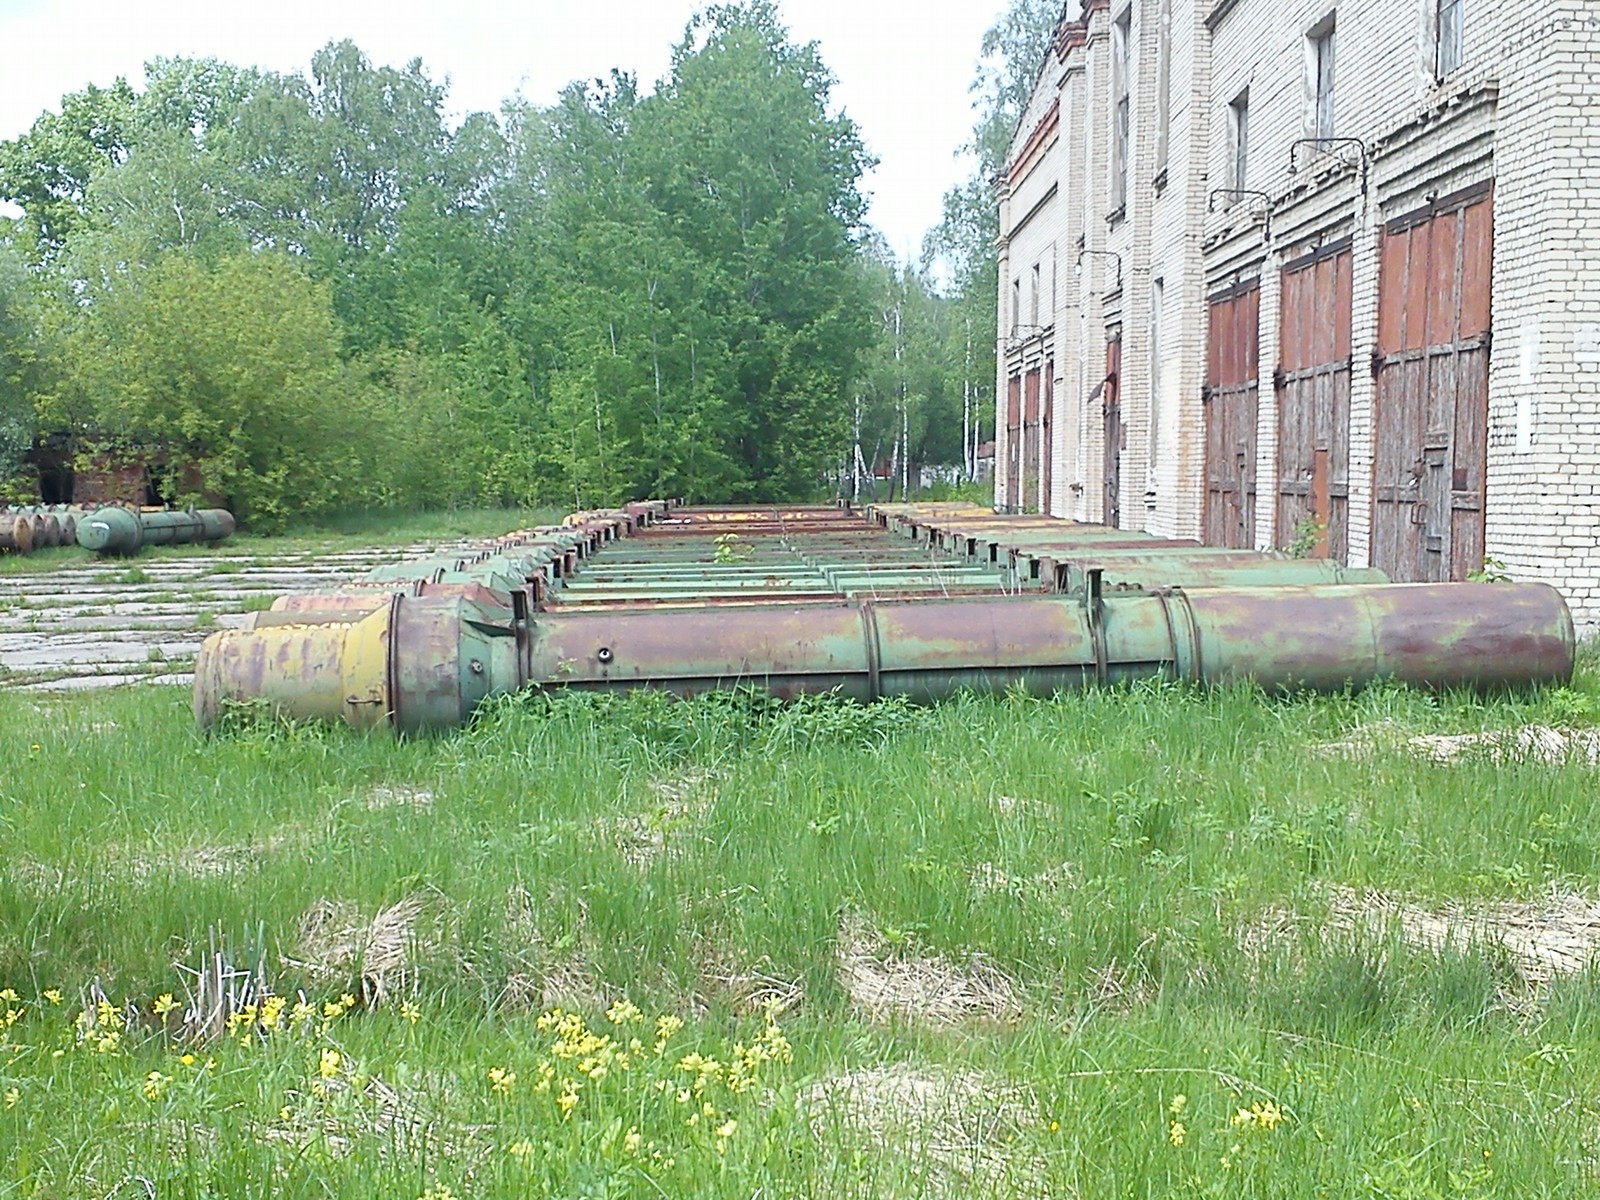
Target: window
1033,305
1448,30
1158,296
1121,52
1239,139
1163,85
1016,305
1320,63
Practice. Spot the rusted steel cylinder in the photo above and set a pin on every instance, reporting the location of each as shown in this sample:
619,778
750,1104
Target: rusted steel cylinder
116,530
16,534
418,663
46,531
426,661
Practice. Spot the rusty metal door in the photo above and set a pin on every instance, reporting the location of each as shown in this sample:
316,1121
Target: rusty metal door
1231,398
1030,440
1116,434
1013,444
1431,453
1313,389
1046,449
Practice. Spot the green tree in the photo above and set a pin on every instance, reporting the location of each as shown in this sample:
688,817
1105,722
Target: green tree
768,205
233,367
25,365
46,171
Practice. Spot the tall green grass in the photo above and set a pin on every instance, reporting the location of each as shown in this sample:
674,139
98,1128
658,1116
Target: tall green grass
1161,874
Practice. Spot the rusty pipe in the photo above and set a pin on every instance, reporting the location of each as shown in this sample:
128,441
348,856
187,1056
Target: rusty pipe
425,662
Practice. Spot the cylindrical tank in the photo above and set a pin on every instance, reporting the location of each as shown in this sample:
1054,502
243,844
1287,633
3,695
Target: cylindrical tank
16,534
116,530
443,654
418,663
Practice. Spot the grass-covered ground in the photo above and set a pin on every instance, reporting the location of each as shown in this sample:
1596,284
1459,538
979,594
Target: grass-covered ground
1141,943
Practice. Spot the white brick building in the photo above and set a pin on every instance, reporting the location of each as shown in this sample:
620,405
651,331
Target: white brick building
1314,269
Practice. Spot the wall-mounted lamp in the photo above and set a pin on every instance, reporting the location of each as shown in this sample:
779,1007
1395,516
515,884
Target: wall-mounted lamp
1240,194
1327,145
1021,335
1111,254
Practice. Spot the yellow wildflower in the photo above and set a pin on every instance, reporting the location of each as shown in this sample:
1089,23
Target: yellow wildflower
53,995
727,1129
1263,1114
328,1062
1175,1133
12,1097
410,1012
301,1013
347,1002
187,1059
154,1084
501,1080
666,1026
9,995
624,1012
567,1101
1179,1103
632,1142
164,1004
272,1011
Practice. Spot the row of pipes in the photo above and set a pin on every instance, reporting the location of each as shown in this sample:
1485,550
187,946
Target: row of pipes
912,600
108,529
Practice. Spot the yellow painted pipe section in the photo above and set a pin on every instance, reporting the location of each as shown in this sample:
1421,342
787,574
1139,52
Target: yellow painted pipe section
325,671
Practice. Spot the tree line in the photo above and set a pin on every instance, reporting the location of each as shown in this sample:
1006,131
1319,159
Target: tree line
320,295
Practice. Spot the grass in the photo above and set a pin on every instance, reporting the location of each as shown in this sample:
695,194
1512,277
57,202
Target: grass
1053,902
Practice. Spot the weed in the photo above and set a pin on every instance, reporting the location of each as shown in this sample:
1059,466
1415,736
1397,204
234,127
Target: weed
1309,532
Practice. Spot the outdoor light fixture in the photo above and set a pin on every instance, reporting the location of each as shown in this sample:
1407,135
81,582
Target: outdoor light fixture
1020,335
1239,194
1327,145
1111,254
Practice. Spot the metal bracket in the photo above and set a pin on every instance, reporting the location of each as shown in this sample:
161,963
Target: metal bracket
1326,146
1111,254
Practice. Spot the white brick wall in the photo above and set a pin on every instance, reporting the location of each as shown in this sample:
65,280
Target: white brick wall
1522,109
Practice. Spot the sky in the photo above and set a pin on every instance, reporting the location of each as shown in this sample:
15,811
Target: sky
903,66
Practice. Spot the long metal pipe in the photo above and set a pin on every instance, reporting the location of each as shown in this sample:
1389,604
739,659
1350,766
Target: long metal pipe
116,530
425,662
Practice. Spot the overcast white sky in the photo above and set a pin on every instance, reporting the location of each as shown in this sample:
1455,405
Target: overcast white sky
903,65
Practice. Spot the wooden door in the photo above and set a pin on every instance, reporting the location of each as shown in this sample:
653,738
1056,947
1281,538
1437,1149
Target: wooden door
1432,413
1013,444
1030,441
1313,390
1231,397
1116,435
1046,446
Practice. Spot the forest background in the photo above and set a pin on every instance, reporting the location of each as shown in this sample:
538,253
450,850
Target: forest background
324,299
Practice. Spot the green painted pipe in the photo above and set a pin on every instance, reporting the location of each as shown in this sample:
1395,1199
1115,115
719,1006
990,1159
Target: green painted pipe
425,662
116,530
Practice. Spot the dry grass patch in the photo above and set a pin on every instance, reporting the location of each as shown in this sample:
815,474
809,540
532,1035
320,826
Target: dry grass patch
1529,743
398,796
681,800
957,1132
337,942
548,974
929,989
1559,935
